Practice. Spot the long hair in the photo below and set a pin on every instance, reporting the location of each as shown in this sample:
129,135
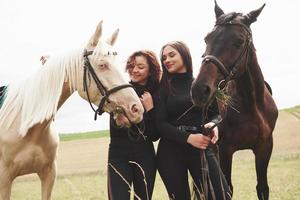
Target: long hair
36,98
154,68
185,54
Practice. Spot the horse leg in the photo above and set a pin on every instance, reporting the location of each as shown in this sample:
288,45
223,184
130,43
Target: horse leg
5,184
47,177
226,163
5,189
262,157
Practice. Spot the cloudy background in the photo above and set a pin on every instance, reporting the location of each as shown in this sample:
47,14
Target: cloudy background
33,28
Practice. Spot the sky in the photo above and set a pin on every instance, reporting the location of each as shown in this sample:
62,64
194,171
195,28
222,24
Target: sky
32,28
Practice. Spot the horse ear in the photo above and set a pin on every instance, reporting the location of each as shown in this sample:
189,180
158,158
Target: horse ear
218,10
95,38
111,41
252,16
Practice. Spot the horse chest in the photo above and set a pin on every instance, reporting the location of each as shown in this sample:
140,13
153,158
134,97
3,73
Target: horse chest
30,158
241,133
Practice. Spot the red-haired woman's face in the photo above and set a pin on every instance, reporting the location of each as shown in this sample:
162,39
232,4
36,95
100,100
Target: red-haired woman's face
139,72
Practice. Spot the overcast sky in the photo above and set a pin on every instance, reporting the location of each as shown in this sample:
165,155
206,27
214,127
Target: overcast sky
33,28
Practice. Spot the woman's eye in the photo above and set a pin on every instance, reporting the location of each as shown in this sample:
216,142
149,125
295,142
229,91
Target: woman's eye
172,55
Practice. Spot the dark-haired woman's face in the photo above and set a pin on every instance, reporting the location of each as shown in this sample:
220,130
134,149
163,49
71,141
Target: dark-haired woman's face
172,60
139,73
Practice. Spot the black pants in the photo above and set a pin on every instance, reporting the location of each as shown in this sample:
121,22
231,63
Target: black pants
122,174
175,160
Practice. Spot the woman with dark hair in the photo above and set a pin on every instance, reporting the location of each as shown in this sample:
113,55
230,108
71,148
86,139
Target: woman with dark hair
131,158
183,146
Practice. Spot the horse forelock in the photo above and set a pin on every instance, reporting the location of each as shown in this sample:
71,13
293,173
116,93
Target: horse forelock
226,18
35,99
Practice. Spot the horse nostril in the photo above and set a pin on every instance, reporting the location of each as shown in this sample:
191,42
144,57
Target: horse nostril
134,108
200,92
205,90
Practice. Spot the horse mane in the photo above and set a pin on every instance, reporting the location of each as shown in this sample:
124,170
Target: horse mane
36,98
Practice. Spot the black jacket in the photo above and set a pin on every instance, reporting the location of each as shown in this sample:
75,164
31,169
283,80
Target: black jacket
171,105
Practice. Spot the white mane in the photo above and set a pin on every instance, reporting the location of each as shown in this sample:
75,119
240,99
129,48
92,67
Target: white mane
36,99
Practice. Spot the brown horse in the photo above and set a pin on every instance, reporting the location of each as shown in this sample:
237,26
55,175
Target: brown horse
230,65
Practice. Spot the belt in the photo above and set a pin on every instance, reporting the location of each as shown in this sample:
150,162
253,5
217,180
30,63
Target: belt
188,128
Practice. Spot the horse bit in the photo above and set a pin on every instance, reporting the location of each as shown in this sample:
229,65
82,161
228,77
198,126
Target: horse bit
89,71
230,74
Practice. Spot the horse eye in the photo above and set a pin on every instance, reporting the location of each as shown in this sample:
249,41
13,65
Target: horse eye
238,43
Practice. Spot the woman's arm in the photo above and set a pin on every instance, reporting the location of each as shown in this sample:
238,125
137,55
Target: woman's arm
149,116
166,129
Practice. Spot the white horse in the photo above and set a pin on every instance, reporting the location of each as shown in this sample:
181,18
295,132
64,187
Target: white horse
28,143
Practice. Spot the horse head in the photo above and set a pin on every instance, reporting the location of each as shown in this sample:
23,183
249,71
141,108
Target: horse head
103,85
227,51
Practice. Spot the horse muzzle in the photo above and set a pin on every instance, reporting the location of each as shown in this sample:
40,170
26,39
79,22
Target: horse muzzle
200,93
125,118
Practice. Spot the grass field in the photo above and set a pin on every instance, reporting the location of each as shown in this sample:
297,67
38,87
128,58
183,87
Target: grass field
82,167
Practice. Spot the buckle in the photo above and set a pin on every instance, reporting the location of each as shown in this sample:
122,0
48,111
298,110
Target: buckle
187,128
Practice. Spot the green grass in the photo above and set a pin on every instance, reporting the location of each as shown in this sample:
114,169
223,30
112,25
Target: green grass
292,109
283,175
85,135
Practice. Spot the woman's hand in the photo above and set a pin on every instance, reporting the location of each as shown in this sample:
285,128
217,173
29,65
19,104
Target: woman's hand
147,101
199,140
214,134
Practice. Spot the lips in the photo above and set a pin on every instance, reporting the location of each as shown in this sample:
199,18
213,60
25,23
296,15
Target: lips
168,66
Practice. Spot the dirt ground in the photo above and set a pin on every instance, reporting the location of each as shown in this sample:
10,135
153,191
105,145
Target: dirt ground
90,155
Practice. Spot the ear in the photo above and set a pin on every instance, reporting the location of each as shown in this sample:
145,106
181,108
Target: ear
111,41
252,16
218,10
95,37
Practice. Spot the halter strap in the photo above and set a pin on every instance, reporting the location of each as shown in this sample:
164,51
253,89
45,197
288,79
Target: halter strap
90,72
222,68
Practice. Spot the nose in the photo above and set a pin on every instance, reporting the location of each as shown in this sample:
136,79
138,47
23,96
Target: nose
200,93
134,109
135,69
167,60
136,113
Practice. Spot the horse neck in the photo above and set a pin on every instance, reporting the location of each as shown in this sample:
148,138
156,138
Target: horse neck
250,85
65,94
39,98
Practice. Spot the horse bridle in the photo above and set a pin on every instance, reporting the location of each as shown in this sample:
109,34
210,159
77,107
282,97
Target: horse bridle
228,75
90,72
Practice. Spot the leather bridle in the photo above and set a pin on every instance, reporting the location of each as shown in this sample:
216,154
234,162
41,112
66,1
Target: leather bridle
228,75
90,72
